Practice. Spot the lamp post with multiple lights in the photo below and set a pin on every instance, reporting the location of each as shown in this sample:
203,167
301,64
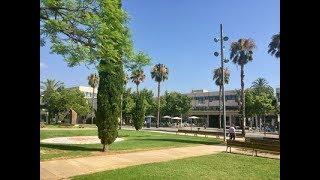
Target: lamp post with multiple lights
222,39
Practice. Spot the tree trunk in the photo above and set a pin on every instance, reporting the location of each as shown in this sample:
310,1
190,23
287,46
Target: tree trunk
260,124
92,105
158,116
243,101
220,108
137,88
104,148
121,112
264,125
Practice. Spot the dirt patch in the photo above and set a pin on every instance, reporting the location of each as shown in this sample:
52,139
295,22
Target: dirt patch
75,140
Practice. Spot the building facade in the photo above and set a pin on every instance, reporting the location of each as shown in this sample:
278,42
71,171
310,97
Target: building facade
205,105
88,93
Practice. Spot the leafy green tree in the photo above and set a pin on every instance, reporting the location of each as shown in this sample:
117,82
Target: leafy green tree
60,102
75,100
139,61
149,101
217,77
260,99
92,32
93,81
128,104
241,52
274,46
176,104
159,73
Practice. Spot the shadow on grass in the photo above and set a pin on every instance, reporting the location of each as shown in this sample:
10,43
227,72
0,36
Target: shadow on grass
69,147
184,141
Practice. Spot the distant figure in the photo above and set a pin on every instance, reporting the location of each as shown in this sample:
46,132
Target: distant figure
232,132
205,127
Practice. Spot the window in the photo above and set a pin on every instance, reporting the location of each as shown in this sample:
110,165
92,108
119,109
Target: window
230,97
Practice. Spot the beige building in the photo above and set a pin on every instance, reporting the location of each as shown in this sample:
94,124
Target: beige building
88,93
205,105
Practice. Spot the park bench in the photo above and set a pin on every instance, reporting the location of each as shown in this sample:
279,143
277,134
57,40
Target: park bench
205,133
263,144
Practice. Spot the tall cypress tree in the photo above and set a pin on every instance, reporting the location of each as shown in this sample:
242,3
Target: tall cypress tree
139,111
109,102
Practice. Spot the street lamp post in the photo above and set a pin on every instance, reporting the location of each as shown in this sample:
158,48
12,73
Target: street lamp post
222,39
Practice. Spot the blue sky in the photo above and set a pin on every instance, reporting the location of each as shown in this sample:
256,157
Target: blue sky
179,34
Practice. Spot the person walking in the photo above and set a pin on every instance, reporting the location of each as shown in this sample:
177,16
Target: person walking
232,132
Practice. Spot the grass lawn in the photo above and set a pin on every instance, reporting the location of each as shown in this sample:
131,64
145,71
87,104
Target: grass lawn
216,166
133,141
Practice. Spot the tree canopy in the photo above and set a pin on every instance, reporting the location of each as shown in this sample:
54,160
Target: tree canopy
61,101
175,104
88,31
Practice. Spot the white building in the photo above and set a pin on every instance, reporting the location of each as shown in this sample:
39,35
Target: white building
88,93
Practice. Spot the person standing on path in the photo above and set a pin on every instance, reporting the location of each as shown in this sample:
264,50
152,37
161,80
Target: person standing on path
232,132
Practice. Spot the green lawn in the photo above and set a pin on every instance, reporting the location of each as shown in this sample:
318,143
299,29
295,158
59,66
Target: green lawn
216,166
134,141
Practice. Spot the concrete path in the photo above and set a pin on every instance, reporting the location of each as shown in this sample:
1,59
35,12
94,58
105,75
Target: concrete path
63,169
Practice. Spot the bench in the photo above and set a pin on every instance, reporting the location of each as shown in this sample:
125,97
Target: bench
205,133
269,145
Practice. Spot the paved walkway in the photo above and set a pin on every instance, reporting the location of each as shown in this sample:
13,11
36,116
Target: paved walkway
63,169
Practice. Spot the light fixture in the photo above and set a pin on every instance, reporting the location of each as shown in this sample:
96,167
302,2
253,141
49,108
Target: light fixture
216,40
216,54
225,38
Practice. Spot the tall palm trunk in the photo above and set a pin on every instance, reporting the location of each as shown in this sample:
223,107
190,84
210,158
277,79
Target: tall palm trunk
137,88
158,116
220,108
243,123
92,105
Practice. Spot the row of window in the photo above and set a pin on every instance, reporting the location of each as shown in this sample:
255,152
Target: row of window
88,94
214,98
215,108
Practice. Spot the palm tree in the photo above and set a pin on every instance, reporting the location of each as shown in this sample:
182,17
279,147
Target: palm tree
274,46
93,81
47,87
217,77
242,53
51,85
159,73
261,85
137,77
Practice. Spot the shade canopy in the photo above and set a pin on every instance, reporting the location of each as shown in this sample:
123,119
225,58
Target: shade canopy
176,118
150,116
168,117
193,117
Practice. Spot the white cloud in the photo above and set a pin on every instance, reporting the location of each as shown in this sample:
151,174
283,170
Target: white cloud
43,65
